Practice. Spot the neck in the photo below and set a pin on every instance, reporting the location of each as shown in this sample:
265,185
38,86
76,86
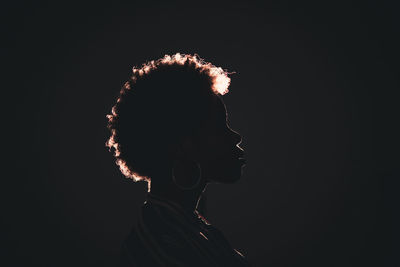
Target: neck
187,199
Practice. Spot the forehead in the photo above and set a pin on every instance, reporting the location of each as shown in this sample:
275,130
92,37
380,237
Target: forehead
220,109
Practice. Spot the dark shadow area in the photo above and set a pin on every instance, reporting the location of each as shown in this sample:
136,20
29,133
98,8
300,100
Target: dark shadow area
314,97
169,128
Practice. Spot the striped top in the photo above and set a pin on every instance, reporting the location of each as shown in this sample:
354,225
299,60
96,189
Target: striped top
167,235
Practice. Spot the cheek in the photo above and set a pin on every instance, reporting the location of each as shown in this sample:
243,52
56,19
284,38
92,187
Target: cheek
213,145
210,147
213,159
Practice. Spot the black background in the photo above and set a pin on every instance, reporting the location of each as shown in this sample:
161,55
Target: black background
314,97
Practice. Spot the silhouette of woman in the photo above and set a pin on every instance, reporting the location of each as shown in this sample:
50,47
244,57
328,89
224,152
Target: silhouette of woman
169,128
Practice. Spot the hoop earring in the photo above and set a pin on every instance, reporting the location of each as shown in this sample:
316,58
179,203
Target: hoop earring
186,177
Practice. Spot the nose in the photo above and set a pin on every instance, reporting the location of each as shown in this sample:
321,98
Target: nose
236,137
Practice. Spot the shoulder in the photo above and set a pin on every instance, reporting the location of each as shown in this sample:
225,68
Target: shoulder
134,252
218,235
159,237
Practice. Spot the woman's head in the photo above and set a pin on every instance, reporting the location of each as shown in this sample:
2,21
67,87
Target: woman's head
171,108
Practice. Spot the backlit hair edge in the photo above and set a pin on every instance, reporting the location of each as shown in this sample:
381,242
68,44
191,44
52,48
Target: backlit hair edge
220,83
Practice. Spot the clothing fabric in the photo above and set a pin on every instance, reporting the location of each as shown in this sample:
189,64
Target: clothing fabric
167,235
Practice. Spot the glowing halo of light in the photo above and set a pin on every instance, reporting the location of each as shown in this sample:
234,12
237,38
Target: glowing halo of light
219,85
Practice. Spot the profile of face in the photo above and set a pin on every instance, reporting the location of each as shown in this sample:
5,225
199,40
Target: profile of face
216,147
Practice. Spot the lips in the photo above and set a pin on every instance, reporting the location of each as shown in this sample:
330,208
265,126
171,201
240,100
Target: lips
242,160
240,156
